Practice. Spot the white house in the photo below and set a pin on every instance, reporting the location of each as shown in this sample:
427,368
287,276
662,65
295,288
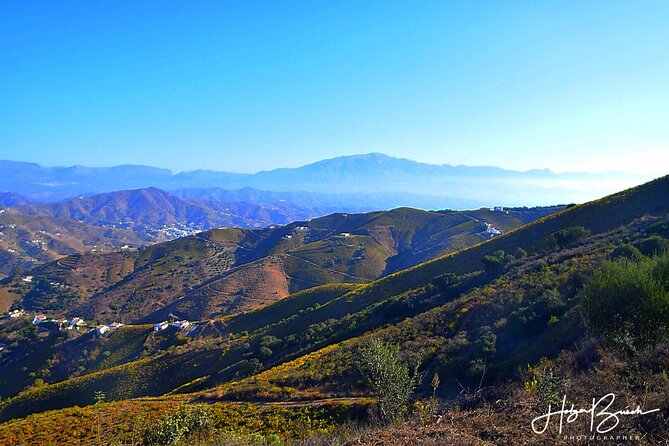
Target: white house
161,326
75,323
39,318
181,324
28,279
15,314
102,329
116,325
492,231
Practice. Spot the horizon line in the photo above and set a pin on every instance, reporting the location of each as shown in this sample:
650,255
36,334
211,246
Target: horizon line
175,172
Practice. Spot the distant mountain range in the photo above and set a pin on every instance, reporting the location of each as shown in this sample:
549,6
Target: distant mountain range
379,181
152,209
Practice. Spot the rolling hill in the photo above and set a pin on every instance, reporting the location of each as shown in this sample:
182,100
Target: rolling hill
224,271
34,233
28,241
477,315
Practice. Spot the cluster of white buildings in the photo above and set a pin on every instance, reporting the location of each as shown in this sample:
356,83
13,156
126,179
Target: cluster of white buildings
102,329
75,323
68,324
492,231
499,209
180,325
15,314
173,232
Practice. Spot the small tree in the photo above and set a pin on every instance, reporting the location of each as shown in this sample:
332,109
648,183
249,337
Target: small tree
390,380
496,261
99,398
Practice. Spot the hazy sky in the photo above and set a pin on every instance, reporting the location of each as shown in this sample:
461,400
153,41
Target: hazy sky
244,86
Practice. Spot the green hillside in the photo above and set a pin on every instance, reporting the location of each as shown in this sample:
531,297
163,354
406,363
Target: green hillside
224,271
476,306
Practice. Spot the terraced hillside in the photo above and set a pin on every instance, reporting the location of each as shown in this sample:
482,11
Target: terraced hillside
225,271
478,315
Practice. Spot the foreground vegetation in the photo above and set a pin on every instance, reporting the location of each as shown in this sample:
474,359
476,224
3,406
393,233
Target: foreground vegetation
153,422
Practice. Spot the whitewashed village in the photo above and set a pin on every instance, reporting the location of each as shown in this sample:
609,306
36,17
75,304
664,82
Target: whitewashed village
46,324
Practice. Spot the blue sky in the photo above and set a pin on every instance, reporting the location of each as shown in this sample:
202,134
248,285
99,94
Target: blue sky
245,86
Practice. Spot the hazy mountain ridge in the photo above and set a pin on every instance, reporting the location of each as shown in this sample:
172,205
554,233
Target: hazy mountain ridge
358,174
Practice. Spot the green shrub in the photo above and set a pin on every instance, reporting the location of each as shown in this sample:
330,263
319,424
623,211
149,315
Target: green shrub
547,385
177,426
626,251
569,236
494,261
390,380
659,228
444,281
628,302
654,245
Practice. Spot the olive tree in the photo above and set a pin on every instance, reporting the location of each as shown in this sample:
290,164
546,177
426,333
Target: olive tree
390,380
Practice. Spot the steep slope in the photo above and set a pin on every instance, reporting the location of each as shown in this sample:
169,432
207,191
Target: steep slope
463,313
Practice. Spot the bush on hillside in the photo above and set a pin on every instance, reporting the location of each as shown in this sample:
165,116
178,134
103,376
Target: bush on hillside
654,245
626,251
390,380
659,228
495,261
445,280
569,236
178,426
628,302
